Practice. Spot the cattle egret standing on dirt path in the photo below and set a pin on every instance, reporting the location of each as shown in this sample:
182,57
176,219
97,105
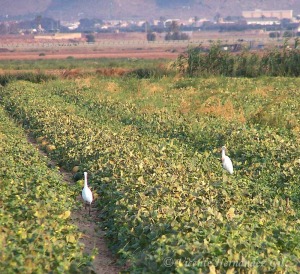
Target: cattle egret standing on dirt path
226,162
87,194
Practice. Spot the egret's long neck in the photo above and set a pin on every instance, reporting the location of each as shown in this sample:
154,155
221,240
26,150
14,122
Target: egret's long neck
223,152
85,179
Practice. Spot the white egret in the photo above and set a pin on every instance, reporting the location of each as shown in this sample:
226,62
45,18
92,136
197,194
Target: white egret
87,194
226,161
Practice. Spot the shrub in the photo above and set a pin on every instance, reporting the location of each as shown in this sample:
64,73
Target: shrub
144,73
27,76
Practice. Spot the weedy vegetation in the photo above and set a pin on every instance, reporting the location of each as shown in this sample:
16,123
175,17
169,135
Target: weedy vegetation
282,61
152,143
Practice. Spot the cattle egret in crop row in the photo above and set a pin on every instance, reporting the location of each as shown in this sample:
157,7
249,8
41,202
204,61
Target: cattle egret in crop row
226,162
87,194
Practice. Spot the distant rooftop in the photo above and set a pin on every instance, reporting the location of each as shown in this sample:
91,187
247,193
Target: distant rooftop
280,14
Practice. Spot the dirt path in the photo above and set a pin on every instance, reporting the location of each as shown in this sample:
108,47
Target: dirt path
93,236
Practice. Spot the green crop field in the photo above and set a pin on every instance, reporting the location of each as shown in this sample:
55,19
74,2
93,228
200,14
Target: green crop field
152,145
36,236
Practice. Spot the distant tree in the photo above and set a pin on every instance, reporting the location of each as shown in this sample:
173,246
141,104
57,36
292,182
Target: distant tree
168,36
285,22
176,36
184,36
13,28
274,34
217,17
174,26
3,28
287,34
90,38
162,19
38,20
49,25
146,26
151,36
174,32
196,18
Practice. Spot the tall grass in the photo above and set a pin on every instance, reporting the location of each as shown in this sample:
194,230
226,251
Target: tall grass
26,76
217,62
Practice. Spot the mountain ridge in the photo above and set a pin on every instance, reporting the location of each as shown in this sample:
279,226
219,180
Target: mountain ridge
138,9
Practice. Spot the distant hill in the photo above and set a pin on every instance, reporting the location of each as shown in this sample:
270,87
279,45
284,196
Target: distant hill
137,9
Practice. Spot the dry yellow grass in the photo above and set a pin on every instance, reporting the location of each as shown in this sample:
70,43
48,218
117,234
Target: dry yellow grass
214,107
185,106
153,88
112,71
148,109
112,87
83,82
263,91
71,73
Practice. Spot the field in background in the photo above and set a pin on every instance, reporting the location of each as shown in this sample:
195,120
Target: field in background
123,45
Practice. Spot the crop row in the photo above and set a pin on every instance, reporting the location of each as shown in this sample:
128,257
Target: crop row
162,197
265,153
36,234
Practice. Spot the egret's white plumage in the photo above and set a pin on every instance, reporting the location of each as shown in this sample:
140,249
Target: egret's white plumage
87,194
226,162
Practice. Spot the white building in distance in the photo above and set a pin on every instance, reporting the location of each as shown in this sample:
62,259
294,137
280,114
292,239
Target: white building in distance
279,14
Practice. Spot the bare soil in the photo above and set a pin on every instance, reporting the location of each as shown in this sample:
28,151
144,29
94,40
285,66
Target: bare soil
92,236
155,53
120,45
